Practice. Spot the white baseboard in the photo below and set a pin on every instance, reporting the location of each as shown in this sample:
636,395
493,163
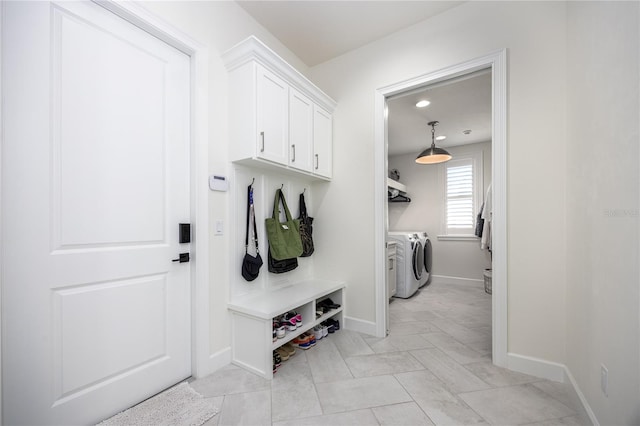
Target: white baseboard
583,400
537,367
445,279
361,326
217,361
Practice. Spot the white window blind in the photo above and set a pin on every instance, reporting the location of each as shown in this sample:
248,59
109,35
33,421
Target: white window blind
459,203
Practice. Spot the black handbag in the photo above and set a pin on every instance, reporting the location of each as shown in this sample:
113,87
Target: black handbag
251,264
282,265
306,229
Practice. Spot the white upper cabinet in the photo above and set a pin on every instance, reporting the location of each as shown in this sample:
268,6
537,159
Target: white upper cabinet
322,142
277,117
272,109
300,131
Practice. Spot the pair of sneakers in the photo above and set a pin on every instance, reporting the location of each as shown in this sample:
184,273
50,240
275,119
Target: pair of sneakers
320,331
278,330
291,320
305,340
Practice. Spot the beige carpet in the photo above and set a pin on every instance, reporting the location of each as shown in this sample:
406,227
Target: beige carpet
178,406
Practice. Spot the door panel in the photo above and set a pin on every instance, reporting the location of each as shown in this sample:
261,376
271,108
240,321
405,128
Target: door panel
273,117
322,142
95,179
300,130
99,135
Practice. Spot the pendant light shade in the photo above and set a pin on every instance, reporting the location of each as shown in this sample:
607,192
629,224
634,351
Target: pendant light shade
433,154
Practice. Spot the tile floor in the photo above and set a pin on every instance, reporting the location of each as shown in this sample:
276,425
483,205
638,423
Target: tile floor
433,368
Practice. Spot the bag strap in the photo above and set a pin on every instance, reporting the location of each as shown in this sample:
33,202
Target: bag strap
250,214
276,206
303,209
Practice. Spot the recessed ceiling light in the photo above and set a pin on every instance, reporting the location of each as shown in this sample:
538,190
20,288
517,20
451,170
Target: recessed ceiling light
422,103
441,138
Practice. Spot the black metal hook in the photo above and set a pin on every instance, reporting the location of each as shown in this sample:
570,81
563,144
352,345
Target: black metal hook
281,186
252,181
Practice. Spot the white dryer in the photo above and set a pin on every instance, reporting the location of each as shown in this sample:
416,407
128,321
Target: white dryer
428,257
409,261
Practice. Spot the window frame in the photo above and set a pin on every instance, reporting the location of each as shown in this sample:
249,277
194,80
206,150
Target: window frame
477,164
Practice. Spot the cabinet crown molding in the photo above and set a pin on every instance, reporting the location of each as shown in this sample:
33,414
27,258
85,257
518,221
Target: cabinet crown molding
252,49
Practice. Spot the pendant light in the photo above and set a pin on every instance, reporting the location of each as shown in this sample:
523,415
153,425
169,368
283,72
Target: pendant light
433,154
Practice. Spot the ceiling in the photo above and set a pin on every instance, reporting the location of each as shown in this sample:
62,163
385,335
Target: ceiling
460,104
317,31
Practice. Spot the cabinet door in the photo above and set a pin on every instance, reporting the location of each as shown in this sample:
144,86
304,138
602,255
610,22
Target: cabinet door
322,142
272,116
300,131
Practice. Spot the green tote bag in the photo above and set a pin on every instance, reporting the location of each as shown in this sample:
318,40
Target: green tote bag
284,237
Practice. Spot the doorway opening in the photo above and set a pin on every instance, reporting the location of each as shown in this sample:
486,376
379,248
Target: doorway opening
495,64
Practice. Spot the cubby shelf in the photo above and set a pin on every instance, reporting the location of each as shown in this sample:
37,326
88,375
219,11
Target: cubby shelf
252,319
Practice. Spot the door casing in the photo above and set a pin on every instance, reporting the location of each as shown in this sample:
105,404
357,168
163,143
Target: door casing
497,63
199,152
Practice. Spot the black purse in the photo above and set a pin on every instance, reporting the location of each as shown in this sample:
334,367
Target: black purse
282,265
251,264
306,229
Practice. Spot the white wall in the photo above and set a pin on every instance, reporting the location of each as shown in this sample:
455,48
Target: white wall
218,26
460,259
534,33
602,206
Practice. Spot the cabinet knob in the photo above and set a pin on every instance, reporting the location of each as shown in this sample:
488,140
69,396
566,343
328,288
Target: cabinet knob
261,141
317,162
293,157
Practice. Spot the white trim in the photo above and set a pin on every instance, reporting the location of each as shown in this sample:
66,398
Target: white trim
497,61
583,400
536,367
252,49
219,359
140,17
551,371
361,326
2,6
458,237
445,279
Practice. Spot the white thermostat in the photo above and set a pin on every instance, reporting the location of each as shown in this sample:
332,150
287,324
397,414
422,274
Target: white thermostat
218,183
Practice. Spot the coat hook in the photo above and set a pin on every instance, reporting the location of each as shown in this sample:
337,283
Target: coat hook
281,186
304,190
252,181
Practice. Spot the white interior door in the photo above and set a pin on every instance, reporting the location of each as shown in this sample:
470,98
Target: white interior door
95,179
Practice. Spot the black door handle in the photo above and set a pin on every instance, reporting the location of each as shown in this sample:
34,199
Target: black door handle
184,257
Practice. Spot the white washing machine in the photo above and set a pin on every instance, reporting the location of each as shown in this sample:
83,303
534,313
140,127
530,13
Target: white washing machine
428,257
409,261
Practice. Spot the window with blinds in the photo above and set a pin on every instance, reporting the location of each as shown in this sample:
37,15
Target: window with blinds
459,203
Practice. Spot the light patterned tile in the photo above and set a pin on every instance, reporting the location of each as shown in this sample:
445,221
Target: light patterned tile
229,380
408,413
461,333
498,377
381,364
217,402
442,407
350,343
459,352
250,409
351,418
326,363
455,376
393,343
356,394
516,405
294,382
563,392
412,327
